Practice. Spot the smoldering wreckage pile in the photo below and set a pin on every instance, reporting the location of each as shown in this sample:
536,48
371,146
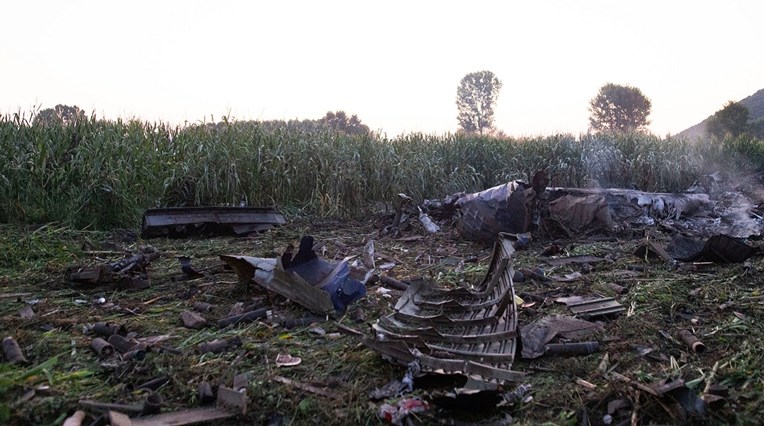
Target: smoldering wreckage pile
464,338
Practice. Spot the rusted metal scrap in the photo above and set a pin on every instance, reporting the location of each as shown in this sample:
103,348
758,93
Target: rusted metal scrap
456,331
176,222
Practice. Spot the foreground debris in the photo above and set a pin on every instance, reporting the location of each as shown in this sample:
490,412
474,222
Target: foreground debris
638,365
456,331
322,287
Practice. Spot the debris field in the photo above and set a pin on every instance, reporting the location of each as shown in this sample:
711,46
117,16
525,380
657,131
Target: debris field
398,319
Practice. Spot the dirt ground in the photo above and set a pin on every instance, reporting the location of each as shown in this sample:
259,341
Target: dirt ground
721,304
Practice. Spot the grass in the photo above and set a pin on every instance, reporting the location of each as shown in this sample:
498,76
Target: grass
96,174
67,188
63,369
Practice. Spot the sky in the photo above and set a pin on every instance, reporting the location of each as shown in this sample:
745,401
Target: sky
395,64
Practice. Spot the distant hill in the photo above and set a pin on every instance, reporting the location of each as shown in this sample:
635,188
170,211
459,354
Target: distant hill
753,103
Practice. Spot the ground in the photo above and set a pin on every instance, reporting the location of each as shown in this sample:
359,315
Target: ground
721,304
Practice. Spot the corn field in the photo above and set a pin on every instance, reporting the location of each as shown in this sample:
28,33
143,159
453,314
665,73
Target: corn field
104,174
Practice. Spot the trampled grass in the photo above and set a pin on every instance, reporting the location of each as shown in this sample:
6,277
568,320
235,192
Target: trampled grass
63,369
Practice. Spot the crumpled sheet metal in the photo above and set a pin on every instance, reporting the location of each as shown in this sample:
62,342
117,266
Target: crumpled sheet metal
502,208
456,331
268,273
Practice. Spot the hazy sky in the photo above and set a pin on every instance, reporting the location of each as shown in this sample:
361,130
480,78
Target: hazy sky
396,64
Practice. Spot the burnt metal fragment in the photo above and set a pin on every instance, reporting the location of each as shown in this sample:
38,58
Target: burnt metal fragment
245,317
107,329
597,307
176,222
537,336
692,342
102,347
300,322
123,344
229,404
138,354
393,283
718,249
187,269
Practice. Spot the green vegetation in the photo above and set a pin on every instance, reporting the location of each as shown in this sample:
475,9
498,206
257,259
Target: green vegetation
619,108
733,120
103,174
476,97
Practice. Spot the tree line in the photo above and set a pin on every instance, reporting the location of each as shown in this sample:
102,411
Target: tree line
614,109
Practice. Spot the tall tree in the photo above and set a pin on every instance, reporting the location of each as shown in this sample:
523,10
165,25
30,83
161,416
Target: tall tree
476,96
731,120
619,108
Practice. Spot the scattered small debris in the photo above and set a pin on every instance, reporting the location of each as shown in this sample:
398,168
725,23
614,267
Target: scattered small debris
203,307
536,337
128,273
693,343
287,360
393,283
427,223
193,320
617,288
243,317
398,413
585,384
596,308
12,351
101,347
26,313
75,419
